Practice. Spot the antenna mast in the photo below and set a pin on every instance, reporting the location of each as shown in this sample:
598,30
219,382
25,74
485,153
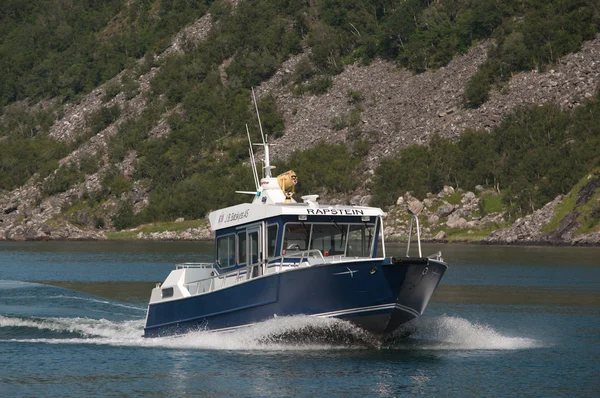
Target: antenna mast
253,161
267,167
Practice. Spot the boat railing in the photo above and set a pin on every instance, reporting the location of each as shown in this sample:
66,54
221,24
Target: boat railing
292,259
436,256
194,265
296,258
227,279
414,218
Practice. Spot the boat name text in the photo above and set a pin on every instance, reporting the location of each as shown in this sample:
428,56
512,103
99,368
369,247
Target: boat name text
336,212
233,216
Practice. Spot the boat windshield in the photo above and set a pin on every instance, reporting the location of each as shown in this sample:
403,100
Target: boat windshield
352,240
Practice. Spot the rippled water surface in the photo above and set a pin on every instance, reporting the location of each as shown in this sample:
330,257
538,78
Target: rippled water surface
506,321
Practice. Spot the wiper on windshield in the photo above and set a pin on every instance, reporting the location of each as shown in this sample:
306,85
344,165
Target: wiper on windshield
336,225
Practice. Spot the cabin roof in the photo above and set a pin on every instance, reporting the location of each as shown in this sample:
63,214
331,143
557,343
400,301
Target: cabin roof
250,212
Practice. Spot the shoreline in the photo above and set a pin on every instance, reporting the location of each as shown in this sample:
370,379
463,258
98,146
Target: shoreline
389,240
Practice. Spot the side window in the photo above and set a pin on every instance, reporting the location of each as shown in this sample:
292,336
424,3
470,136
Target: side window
226,251
271,239
242,247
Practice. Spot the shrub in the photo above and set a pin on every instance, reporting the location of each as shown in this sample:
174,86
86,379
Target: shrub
271,117
303,71
125,217
111,90
319,85
477,90
355,96
131,87
102,118
115,184
62,180
326,166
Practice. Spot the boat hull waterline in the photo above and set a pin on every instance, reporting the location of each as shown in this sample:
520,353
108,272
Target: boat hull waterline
377,295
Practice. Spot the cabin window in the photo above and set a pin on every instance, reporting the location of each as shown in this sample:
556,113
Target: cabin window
330,239
271,239
360,240
296,236
242,247
167,292
226,251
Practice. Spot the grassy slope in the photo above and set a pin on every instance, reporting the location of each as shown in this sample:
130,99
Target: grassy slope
588,211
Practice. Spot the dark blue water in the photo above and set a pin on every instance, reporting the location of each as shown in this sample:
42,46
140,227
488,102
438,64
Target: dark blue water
506,321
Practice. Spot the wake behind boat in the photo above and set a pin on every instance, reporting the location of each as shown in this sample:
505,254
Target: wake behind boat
277,257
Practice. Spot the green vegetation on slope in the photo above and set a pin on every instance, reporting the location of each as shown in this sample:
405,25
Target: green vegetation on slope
543,32
534,155
63,49
582,203
333,168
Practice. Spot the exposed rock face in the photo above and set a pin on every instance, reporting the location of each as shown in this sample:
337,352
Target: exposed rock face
532,229
528,228
585,210
437,215
189,37
189,234
402,108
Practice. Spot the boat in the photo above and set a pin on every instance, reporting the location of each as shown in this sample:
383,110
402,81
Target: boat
278,257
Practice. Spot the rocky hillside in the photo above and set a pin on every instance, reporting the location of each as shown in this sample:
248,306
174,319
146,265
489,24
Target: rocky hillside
392,106
26,216
570,219
402,108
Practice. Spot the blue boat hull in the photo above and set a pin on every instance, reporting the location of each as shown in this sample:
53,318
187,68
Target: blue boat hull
376,295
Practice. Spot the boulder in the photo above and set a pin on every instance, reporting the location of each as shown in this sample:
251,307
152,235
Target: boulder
464,212
433,219
415,206
448,190
468,197
456,222
445,210
473,224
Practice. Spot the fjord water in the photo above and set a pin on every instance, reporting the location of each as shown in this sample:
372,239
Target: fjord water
506,321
